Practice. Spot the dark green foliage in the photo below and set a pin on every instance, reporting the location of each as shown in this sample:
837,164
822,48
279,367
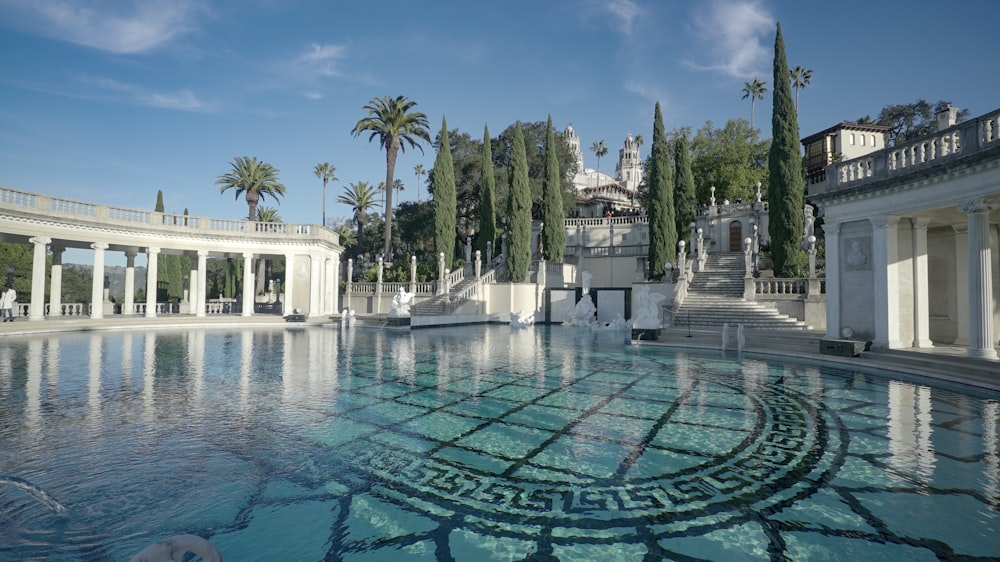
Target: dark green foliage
685,209
21,258
731,159
415,225
169,267
553,214
534,146
487,198
466,157
77,284
443,186
786,186
660,202
519,211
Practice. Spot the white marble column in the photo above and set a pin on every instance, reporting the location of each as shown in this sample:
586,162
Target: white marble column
194,274
248,284
315,285
921,292
885,261
97,284
36,311
961,282
151,270
55,282
330,286
200,292
288,307
832,232
128,307
981,342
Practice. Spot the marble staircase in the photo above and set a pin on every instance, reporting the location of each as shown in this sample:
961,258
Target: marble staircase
715,297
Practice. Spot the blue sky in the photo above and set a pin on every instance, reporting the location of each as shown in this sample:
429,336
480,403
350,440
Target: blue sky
110,100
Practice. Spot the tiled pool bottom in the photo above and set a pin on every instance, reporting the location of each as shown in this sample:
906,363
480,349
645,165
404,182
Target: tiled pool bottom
480,444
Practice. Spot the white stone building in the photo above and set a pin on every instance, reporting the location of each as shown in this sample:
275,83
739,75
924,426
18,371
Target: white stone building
598,193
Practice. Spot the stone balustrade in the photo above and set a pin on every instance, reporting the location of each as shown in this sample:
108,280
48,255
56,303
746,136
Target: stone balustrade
793,287
957,141
607,221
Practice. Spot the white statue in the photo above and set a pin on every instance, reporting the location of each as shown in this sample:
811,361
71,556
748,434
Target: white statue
520,320
401,304
585,313
616,325
587,276
646,309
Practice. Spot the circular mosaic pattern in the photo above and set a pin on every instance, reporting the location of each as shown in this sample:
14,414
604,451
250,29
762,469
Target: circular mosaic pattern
758,448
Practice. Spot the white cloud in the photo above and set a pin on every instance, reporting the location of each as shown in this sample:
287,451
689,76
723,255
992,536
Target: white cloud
647,91
122,27
183,100
625,12
731,32
320,60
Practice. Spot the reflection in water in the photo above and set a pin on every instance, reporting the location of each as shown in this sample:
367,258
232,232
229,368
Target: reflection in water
291,380
910,430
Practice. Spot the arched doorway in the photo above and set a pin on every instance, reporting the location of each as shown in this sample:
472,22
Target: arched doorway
735,236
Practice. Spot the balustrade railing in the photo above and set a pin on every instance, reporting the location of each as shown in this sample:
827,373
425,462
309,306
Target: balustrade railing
954,142
786,286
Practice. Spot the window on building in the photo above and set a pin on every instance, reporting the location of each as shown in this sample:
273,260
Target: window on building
852,139
862,140
873,141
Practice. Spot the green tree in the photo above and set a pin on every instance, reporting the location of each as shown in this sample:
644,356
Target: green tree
786,185
801,77
254,180
732,159
487,197
171,268
20,257
415,223
599,149
519,211
326,172
755,91
534,135
418,170
685,202
361,197
443,183
553,214
662,226
396,125
347,235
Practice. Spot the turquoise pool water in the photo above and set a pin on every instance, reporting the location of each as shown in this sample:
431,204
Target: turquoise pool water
477,443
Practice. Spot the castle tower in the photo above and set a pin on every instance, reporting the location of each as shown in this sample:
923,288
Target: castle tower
628,171
574,146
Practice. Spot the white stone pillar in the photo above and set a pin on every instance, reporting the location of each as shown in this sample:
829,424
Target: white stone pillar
315,284
248,284
921,293
885,262
55,282
333,284
151,271
128,307
832,231
36,311
202,278
981,342
193,286
97,283
289,308
350,284
961,282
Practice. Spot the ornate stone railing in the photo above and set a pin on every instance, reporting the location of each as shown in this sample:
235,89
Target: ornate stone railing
785,286
607,221
137,219
955,142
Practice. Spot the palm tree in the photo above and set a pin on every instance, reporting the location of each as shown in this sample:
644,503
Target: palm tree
347,236
599,149
419,171
397,184
325,172
268,214
639,141
395,125
253,178
755,91
801,77
361,197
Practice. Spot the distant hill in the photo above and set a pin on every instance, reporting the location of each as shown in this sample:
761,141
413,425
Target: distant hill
116,275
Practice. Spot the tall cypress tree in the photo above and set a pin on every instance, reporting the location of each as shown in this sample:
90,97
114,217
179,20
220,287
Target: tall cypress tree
553,214
685,205
662,227
519,210
443,182
785,187
487,198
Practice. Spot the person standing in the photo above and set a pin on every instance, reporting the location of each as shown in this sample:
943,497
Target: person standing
7,303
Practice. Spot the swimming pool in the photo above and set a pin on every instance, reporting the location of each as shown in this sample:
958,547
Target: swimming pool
479,443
